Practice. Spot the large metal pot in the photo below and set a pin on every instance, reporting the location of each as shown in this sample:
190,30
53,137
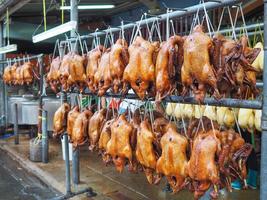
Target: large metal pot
11,109
29,112
50,105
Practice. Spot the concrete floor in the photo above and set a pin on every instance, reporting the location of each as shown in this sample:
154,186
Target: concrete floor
16,183
106,181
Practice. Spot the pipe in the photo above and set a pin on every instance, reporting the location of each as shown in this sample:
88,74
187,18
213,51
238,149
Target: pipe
16,126
44,138
75,153
67,163
263,171
40,61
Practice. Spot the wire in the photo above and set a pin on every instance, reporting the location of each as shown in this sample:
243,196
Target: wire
44,14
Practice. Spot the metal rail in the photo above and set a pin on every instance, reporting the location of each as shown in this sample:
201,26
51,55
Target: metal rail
21,59
224,102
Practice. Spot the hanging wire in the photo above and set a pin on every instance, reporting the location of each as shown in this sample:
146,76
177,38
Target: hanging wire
62,11
44,14
7,26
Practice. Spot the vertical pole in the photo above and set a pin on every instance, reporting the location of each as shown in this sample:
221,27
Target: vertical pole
263,176
75,153
44,138
16,126
67,163
40,61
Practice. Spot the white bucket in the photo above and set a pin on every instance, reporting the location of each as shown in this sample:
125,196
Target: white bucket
63,150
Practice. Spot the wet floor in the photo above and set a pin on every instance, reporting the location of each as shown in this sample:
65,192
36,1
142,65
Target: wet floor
17,184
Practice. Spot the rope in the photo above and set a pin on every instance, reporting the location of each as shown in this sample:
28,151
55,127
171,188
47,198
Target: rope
7,26
62,12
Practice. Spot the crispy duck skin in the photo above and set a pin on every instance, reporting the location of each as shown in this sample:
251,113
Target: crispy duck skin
173,160
102,77
202,168
145,152
197,66
92,66
27,73
139,74
64,71
60,119
119,146
167,66
72,116
9,74
54,74
80,128
119,58
95,126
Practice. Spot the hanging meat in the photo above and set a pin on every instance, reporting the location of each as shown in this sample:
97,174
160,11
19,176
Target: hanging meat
168,69
202,168
72,116
119,58
95,126
197,71
8,74
139,74
60,119
77,75
19,76
105,136
64,71
54,74
173,160
92,66
80,128
146,153
119,146
102,78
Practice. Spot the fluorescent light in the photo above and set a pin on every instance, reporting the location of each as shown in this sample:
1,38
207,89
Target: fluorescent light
89,7
55,31
8,48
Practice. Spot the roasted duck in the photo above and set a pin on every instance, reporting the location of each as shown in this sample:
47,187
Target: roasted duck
173,160
102,77
54,74
119,58
168,70
139,74
119,146
92,66
7,76
202,168
60,119
95,126
72,116
80,128
197,71
64,71
146,153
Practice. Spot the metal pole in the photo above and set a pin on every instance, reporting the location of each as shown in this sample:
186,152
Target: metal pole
75,153
44,138
67,163
263,175
16,126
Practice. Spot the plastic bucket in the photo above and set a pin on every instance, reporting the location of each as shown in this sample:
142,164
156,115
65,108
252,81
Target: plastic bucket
36,150
63,150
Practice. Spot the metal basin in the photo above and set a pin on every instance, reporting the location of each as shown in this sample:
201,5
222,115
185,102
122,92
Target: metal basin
29,112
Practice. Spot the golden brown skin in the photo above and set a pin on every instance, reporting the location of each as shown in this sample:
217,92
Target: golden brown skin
92,66
105,136
80,128
119,58
95,126
145,152
72,116
19,76
140,72
7,76
102,78
197,64
27,73
119,146
54,74
202,168
60,119
167,66
77,71
173,160
13,71
64,71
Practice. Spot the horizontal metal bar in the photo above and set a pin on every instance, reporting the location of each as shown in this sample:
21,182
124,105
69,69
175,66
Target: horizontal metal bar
22,59
259,84
224,102
250,27
178,13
